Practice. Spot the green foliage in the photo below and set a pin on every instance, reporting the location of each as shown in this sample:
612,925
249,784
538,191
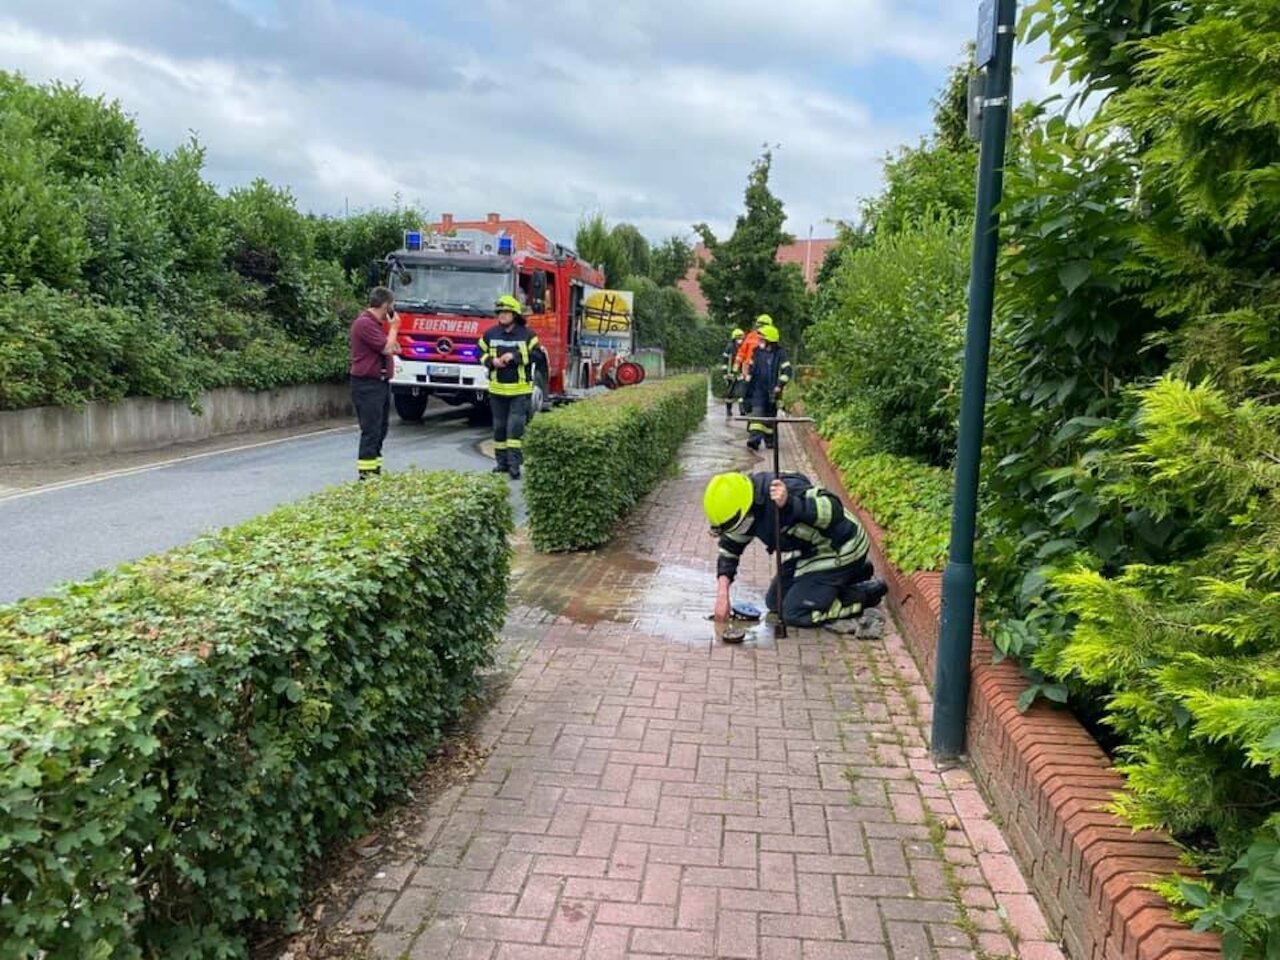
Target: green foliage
598,244
1071,333
1189,651
743,277
355,242
887,352
61,349
911,500
927,182
633,250
589,463
670,260
1091,41
169,288
185,734
41,232
664,317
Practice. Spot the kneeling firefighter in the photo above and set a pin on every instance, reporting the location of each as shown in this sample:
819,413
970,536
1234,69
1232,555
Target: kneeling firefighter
510,352
827,578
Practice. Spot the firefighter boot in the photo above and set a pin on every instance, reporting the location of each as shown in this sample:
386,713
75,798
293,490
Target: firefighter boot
868,593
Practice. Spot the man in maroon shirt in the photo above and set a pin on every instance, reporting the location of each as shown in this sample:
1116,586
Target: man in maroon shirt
371,352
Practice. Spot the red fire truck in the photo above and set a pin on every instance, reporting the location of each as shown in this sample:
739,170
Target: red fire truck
445,285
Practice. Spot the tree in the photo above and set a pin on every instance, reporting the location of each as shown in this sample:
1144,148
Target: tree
743,277
670,260
633,247
597,244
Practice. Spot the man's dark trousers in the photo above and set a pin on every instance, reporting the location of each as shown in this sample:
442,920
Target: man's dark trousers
371,397
510,416
816,598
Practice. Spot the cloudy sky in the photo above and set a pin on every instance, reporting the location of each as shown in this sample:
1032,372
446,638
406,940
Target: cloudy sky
648,110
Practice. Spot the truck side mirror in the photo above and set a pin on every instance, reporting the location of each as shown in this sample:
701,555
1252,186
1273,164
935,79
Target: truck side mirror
539,286
373,275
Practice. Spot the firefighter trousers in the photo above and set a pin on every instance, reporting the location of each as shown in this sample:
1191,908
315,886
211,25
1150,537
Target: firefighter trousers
510,415
816,598
757,432
371,396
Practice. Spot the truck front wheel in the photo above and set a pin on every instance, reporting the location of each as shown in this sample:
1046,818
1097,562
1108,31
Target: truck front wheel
410,407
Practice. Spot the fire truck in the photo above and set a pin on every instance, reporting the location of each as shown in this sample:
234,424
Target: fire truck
445,279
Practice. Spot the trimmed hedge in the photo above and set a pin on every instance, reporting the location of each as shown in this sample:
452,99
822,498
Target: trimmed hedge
591,462
182,735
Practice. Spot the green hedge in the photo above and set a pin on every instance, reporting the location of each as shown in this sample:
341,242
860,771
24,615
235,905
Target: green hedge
909,499
183,735
589,463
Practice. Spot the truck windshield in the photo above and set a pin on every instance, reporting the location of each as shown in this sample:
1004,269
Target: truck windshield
443,285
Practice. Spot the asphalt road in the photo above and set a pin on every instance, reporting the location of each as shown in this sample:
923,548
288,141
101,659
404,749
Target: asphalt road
67,532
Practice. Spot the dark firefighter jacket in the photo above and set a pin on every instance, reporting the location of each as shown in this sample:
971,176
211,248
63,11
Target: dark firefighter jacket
817,534
515,379
770,370
727,359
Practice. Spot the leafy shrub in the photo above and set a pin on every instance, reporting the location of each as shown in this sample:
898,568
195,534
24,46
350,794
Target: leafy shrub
163,287
182,735
888,353
1187,650
62,349
909,499
589,463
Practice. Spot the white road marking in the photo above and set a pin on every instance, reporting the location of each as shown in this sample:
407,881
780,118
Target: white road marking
160,465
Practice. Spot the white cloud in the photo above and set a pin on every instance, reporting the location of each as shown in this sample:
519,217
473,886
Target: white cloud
652,113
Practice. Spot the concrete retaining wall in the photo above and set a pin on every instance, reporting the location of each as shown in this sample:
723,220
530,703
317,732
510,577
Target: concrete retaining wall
55,433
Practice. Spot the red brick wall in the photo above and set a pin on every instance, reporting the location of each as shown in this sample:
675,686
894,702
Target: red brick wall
1048,781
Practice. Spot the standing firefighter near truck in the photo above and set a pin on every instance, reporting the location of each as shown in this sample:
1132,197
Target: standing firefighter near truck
767,376
510,352
371,351
827,577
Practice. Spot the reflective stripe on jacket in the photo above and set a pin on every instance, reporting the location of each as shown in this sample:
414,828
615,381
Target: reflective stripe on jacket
515,379
817,534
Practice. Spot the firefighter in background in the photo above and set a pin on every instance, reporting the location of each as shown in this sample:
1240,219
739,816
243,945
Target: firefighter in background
742,359
768,374
510,352
827,576
729,368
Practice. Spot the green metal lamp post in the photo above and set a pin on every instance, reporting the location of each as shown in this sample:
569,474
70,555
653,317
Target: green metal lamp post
955,637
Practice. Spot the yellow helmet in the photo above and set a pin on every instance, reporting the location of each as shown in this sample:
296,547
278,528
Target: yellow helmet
727,500
737,333
508,302
770,333
764,320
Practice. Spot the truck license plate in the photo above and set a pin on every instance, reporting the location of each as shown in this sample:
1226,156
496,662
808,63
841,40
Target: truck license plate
441,370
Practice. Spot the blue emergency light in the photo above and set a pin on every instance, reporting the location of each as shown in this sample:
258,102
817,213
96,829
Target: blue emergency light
413,239
506,246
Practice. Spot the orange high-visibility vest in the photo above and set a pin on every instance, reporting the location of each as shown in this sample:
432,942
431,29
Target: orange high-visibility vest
742,359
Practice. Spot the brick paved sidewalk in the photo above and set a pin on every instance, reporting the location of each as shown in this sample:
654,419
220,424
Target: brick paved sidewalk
654,793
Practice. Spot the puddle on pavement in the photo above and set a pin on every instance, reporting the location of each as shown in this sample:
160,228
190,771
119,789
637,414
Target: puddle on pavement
666,600
620,584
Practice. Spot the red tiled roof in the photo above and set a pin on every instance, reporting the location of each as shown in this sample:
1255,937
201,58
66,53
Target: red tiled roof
806,254
526,236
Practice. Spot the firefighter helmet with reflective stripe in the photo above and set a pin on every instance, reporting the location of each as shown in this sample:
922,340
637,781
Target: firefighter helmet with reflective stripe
508,302
770,333
727,500
764,320
737,333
